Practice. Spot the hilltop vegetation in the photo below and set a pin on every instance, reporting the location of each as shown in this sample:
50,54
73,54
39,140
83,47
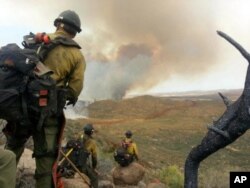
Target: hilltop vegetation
165,131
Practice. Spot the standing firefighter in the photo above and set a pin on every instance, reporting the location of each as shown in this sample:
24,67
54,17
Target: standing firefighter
68,66
90,145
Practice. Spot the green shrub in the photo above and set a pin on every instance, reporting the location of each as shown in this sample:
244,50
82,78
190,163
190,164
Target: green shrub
171,176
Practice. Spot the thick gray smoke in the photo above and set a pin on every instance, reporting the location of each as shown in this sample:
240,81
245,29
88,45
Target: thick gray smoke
134,44
111,80
141,44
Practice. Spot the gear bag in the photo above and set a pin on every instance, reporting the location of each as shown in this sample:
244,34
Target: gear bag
16,69
25,83
122,157
23,87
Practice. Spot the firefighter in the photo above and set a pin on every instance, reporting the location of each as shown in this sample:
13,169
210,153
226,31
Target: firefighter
130,145
7,169
89,168
68,66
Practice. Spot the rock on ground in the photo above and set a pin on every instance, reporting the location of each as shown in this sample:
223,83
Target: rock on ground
130,175
76,182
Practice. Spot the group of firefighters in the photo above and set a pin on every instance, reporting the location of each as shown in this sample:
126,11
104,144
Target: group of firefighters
88,162
75,149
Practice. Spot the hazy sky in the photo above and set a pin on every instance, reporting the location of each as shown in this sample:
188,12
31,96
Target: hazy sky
144,46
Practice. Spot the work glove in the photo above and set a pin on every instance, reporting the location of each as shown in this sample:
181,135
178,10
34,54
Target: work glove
71,98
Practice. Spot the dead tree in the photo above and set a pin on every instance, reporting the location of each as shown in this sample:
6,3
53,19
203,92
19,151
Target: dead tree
233,123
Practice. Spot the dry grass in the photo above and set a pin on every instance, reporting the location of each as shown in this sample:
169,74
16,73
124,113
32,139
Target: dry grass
165,131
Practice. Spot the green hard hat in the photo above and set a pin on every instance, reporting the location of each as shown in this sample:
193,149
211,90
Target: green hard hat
69,18
88,129
128,133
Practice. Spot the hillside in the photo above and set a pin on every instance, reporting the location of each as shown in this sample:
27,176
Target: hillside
165,130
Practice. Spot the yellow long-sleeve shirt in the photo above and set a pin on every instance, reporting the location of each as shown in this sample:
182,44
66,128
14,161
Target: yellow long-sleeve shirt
91,147
131,147
67,63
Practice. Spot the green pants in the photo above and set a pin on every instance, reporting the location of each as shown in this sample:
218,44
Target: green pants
92,176
45,148
7,169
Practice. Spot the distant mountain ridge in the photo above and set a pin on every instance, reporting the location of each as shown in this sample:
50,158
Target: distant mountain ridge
83,108
228,92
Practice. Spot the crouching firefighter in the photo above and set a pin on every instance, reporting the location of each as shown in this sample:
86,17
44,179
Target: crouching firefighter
127,152
61,54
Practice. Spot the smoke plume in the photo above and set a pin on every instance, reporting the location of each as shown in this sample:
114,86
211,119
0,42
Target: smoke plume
133,45
139,45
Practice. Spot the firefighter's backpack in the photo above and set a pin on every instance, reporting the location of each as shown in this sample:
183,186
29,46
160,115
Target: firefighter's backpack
122,157
77,154
22,87
26,85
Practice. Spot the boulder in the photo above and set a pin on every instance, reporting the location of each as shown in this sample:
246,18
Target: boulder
130,175
76,182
